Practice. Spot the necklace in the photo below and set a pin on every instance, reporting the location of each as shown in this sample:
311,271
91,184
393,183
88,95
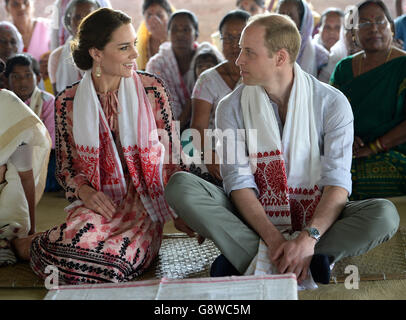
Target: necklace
364,56
233,81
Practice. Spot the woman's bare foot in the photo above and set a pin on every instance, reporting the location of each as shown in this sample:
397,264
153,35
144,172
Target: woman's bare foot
21,246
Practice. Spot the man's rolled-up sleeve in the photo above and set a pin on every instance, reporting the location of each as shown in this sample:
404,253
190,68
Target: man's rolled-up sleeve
338,139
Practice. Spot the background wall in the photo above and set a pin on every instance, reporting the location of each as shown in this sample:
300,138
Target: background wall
209,12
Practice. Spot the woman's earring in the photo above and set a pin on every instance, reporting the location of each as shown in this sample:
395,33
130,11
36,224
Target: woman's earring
98,71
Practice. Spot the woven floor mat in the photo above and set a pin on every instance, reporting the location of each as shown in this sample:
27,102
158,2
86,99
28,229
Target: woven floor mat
385,262
181,257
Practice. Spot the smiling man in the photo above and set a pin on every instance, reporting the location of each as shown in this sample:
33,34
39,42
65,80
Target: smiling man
294,177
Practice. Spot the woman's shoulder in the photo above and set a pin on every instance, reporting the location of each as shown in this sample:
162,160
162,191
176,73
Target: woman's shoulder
152,82
67,95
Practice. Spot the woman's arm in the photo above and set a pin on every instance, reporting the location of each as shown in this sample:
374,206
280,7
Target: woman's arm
201,111
28,183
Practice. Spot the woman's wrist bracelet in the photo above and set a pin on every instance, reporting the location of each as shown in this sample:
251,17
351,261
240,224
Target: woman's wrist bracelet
373,147
381,145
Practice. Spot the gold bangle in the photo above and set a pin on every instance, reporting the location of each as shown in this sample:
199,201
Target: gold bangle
373,148
378,145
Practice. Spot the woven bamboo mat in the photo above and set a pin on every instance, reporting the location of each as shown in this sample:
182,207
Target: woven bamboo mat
181,257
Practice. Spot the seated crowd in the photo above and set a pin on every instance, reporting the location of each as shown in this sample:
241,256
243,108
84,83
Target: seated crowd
332,88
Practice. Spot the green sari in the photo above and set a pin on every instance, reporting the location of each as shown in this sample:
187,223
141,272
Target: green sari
377,99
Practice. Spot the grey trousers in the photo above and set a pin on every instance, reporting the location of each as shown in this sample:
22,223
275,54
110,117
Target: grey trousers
206,208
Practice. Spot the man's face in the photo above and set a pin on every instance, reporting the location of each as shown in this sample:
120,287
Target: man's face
330,30
256,67
22,81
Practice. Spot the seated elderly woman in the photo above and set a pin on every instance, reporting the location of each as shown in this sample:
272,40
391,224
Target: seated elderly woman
374,82
61,68
36,32
24,148
343,48
312,57
174,62
331,23
152,31
11,43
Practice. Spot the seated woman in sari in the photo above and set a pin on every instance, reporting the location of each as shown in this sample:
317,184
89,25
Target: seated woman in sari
174,63
374,81
312,56
152,31
109,161
24,150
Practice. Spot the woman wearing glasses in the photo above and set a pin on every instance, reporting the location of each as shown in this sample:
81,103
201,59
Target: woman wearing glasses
215,83
374,81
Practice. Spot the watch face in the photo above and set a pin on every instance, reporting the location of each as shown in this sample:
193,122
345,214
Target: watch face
314,233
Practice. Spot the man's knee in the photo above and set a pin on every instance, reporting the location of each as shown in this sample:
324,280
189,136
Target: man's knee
386,216
180,191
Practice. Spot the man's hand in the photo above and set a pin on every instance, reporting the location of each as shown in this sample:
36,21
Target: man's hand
97,201
294,256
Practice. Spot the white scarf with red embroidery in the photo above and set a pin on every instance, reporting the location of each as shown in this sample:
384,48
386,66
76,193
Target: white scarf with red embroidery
142,150
288,167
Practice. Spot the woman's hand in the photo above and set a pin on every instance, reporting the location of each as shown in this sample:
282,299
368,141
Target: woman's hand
214,167
97,201
3,170
183,227
214,170
358,144
363,152
157,28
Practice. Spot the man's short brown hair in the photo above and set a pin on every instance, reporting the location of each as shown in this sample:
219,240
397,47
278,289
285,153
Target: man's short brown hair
280,33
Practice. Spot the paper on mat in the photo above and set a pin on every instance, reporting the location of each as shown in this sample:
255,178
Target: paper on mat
268,287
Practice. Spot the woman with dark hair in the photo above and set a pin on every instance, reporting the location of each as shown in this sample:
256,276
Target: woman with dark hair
61,67
110,161
24,150
175,61
374,82
312,57
216,83
152,31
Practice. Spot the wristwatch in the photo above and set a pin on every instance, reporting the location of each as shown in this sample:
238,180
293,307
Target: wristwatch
313,233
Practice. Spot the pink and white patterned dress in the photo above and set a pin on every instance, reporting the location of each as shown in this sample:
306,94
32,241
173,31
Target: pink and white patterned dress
88,248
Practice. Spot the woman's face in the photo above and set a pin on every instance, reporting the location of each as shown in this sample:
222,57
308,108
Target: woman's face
182,33
156,19
80,11
251,7
373,31
20,9
290,9
117,59
8,43
230,35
